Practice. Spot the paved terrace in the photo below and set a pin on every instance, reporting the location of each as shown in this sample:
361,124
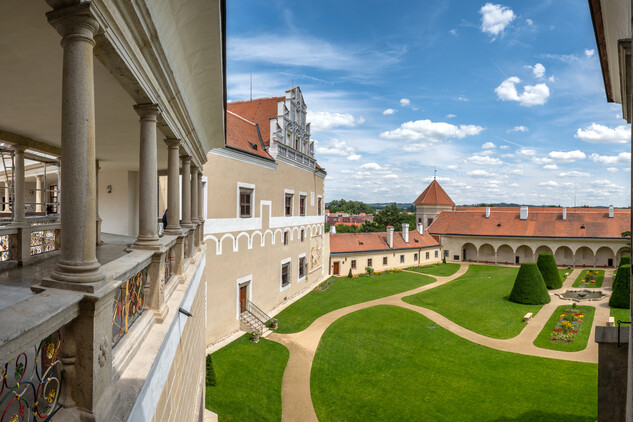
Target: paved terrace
295,392
16,282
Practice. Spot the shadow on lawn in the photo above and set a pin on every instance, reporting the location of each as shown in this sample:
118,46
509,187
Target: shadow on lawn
538,415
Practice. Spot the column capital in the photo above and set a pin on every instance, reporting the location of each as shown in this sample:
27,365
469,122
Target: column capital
194,169
18,147
74,21
147,111
186,159
173,143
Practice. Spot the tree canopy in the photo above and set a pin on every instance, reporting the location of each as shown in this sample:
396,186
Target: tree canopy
350,207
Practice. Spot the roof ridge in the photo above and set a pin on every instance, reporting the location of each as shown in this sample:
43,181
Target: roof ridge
256,99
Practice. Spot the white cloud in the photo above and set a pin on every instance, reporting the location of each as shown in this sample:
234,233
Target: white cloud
488,145
495,18
390,176
462,98
452,167
453,31
528,152
480,173
538,70
574,173
516,171
338,148
603,183
550,167
549,183
450,116
552,79
405,102
602,134
529,22
519,129
567,156
324,120
612,169
532,94
484,160
432,132
504,147
621,158
589,52
389,111
372,166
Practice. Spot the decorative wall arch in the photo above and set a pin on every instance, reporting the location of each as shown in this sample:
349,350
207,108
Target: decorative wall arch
486,253
605,257
525,254
542,249
233,245
261,238
216,242
469,252
624,250
249,245
564,256
292,232
272,237
584,257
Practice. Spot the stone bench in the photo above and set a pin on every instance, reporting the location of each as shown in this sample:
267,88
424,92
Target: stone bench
527,317
611,322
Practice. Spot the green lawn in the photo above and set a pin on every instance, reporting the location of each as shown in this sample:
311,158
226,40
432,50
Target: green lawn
391,364
248,381
597,284
579,343
478,301
440,270
562,272
345,292
620,314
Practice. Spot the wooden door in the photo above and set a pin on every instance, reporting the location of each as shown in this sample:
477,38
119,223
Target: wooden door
243,298
336,268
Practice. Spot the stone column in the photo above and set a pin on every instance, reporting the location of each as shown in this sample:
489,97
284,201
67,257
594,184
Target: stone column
186,190
173,188
7,197
194,206
19,215
98,221
147,228
78,261
39,193
200,198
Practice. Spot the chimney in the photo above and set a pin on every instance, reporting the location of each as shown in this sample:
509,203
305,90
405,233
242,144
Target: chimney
524,213
405,232
420,228
610,211
390,236
487,212
564,213
332,229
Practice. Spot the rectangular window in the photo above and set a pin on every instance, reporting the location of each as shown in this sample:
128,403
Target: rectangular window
429,221
353,264
302,205
446,254
302,267
54,196
437,254
286,237
401,259
384,261
288,204
427,255
415,256
285,274
303,235
319,203
246,196
369,262
420,220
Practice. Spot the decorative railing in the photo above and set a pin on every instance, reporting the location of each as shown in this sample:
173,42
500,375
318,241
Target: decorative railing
295,155
129,300
5,247
31,383
169,264
43,241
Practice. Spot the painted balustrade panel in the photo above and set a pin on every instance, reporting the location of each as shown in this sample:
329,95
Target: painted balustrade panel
5,247
169,264
43,241
31,383
129,301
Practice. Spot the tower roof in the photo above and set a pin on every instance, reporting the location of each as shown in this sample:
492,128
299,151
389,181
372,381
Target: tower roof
434,195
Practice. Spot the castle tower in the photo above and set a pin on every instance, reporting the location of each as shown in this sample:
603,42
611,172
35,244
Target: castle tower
430,203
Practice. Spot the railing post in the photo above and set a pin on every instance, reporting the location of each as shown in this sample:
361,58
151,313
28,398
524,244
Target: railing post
156,285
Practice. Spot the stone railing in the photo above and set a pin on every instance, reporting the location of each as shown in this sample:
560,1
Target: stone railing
169,265
294,155
8,243
129,302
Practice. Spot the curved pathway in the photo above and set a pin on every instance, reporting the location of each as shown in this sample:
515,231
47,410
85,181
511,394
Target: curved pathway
295,392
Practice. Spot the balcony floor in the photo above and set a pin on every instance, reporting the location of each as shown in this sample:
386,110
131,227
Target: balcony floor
15,282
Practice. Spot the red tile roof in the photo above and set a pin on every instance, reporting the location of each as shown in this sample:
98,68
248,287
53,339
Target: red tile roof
258,111
242,134
541,222
434,195
366,242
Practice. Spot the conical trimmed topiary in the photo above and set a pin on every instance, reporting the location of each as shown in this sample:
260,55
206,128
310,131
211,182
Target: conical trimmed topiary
547,266
210,379
624,260
529,287
621,296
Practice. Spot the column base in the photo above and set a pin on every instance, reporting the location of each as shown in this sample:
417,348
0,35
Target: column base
85,278
161,314
173,231
150,244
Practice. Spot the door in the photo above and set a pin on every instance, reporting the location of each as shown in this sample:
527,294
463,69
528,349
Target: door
335,268
464,255
610,263
516,260
243,298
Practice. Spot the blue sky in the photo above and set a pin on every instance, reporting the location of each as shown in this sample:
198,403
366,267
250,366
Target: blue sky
505,99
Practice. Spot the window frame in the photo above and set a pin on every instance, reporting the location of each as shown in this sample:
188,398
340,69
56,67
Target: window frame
286,237
353,264
287,264
249,192
289,195
415,256
302,208
370,262
319,205
302,267
385,260
428,255
402,259
244,186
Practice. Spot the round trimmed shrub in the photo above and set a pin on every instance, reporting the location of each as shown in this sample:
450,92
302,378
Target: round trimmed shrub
529,287
547,266
624,260
621,296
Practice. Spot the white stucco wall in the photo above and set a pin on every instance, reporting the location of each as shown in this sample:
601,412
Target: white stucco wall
119,209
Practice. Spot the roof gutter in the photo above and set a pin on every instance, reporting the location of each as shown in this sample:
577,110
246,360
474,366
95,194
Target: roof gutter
598,29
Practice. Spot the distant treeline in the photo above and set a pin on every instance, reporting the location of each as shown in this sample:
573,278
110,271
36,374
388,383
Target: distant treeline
390,216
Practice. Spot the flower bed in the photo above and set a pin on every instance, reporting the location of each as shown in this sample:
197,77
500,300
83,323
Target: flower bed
568,329
589,279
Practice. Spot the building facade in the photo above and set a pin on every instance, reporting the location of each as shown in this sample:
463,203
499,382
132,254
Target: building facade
265,232
430,203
